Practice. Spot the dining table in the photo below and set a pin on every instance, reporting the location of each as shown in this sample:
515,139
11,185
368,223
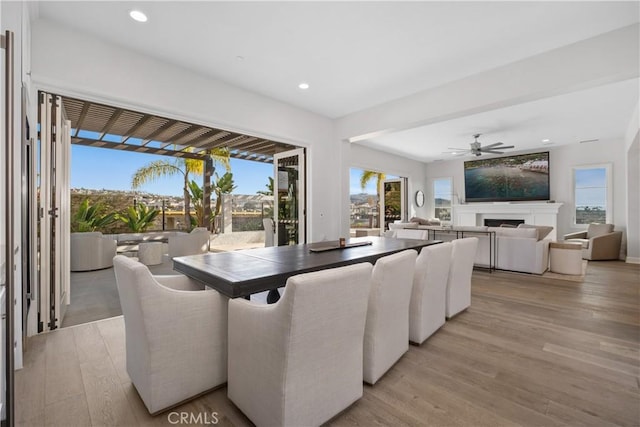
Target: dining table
245,272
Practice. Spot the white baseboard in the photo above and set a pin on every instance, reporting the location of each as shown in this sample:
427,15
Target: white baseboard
632,260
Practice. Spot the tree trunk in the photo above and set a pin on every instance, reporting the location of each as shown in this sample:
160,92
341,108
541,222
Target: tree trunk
187,203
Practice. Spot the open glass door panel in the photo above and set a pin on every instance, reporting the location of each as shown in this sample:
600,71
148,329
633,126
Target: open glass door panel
393,201
289,192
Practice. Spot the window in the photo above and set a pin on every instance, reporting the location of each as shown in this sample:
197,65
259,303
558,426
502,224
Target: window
442,196
592,194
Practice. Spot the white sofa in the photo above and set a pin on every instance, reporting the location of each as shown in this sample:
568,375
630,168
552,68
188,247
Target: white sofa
523,249
91,251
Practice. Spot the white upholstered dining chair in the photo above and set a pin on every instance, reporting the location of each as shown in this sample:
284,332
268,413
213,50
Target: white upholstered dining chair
386,335
429,295
176,335
298,362
463,254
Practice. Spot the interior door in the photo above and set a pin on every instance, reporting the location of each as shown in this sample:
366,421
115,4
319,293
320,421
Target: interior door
289,194
53,213
393,201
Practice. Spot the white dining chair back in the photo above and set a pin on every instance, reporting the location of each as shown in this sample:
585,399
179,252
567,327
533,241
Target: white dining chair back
176,335
298,362
429,295
463,254
386,336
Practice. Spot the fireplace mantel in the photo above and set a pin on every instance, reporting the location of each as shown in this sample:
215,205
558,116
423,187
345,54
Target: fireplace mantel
531,213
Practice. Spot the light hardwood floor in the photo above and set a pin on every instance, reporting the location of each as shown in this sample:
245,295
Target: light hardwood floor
529,351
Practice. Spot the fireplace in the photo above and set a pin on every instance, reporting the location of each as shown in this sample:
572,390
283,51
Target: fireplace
474,214
490,222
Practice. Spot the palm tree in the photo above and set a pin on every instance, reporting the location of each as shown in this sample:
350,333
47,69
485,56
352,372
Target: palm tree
183,166
368,176
269,186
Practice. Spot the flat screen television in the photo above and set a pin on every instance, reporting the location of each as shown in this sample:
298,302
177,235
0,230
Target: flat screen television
505,179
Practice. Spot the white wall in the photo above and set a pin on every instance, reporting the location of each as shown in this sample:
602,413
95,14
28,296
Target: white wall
561,161
359,156
76,64
632,147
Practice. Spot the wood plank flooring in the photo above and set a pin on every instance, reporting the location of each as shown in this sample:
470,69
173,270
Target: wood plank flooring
529,351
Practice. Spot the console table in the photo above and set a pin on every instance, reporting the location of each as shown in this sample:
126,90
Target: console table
460,233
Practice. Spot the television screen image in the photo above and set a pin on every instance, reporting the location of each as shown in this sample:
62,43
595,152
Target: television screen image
512,178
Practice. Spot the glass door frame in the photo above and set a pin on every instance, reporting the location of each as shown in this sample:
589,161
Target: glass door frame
281,186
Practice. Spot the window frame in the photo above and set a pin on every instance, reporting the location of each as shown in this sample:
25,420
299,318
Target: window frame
608,191
433,196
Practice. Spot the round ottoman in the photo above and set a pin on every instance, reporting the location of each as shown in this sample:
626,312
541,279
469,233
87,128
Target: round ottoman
565,258
150,253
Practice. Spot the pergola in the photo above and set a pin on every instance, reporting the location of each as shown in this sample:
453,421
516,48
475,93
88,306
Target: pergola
99,125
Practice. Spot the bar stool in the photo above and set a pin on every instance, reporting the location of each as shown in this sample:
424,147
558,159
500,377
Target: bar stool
565,258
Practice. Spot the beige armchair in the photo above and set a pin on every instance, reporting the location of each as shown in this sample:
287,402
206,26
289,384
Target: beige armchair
176,335
196,242
91,251
599,242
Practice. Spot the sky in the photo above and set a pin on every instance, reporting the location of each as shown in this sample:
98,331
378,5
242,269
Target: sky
591,187
103,168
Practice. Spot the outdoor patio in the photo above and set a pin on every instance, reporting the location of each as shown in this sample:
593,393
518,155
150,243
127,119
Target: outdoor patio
94,295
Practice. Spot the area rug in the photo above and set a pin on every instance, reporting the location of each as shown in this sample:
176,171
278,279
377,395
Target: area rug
569,277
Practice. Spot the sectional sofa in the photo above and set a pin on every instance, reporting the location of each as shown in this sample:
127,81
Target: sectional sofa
523,249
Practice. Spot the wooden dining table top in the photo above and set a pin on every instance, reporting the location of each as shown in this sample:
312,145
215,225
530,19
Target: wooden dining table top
245,272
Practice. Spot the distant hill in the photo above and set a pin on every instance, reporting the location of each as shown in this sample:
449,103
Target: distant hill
363,198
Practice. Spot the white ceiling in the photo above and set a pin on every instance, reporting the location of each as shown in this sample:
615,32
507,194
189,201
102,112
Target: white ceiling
601,113
359,54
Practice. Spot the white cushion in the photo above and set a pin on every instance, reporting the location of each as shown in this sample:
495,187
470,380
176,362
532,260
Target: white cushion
595,230
411,234
526,233
543,230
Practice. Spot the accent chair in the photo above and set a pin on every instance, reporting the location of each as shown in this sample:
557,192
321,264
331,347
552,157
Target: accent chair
599,242
91,251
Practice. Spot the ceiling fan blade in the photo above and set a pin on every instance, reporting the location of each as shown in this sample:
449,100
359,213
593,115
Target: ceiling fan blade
457,149
495,144
492,151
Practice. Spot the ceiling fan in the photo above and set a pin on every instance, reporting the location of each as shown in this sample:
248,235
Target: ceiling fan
477,149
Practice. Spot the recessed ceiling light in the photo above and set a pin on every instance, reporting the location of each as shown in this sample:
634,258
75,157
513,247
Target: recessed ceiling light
303,86
546,140
136,15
